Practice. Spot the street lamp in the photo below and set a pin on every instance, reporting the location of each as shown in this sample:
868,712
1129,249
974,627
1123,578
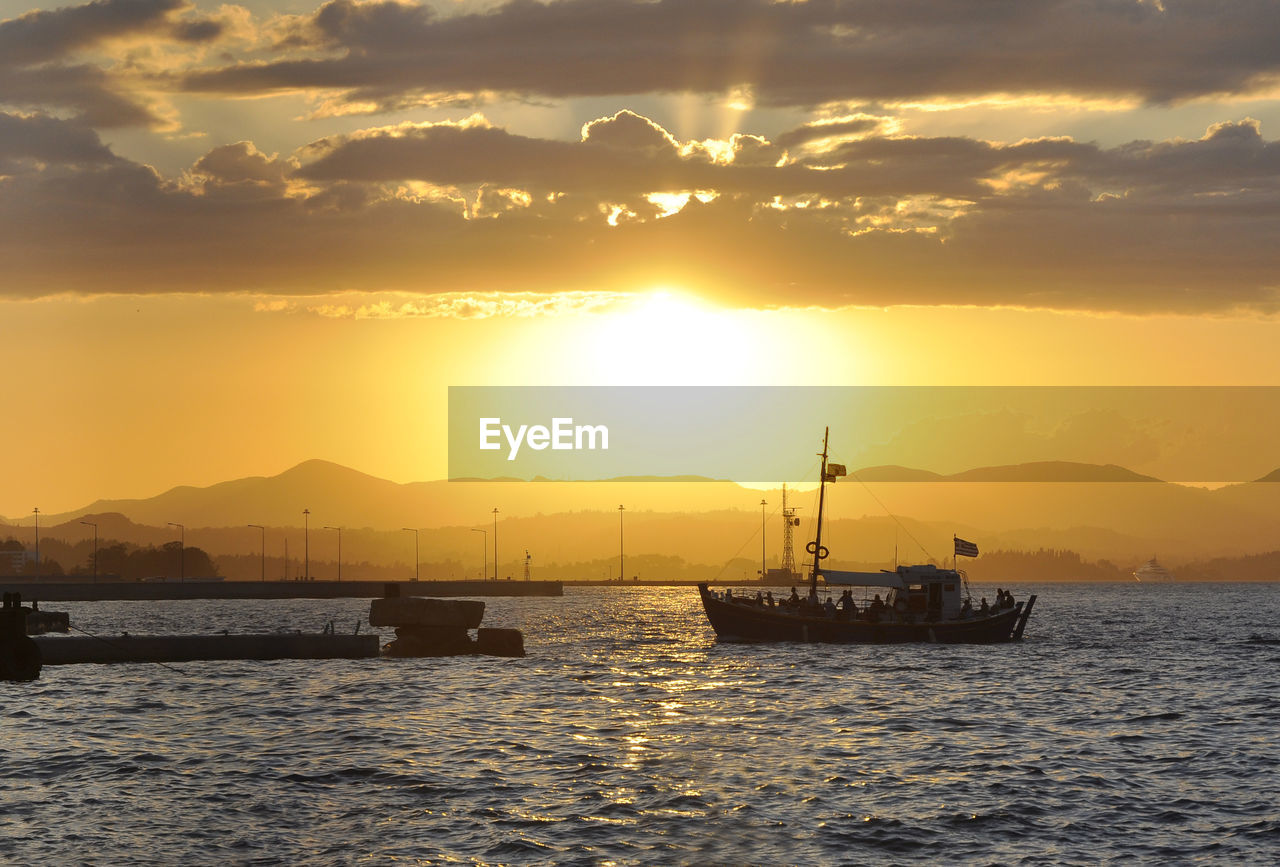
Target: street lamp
762,552
339,529
95,548
622,562
484,551
306,544
182,550
414,531
495,543
264,549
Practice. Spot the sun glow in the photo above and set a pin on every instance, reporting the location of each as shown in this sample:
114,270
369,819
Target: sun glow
667,336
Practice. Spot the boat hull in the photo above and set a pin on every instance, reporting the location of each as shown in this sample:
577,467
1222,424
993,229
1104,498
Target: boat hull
745,621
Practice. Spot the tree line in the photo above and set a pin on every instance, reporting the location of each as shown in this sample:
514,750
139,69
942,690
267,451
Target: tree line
115,560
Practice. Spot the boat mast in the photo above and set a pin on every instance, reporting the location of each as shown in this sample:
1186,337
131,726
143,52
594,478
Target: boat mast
817,538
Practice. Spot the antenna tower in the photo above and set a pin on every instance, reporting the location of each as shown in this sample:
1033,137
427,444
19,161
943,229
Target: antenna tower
789,520
527,559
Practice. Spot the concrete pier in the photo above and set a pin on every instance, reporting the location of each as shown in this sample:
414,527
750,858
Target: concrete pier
189,648
74,591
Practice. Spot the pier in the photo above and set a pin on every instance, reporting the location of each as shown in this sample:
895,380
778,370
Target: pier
110,591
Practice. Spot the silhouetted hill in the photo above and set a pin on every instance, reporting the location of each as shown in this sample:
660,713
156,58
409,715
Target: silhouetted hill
1273,476
1052,472
894,473
340,496
1057,505
1039,471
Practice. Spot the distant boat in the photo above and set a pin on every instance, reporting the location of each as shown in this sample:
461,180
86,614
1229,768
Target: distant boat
922,603
1152,572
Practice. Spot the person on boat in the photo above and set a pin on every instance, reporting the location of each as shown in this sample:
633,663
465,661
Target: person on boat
846,603
829,607
875,610
794,598
900,606
966,610
984,609
768,598
759,600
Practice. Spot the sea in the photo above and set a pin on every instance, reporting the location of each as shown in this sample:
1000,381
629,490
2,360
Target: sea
1135,724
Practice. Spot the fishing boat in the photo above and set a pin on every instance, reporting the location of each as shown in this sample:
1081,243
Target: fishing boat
922,603
1152,572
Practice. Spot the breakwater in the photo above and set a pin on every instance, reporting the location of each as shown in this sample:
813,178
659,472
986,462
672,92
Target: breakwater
111,591
190,648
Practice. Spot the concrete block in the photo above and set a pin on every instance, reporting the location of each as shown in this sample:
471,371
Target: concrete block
430,641
419,611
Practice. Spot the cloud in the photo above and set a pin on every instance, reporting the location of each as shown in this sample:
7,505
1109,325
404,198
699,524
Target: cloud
27,143
867,218
41,65
384,55
44,35
465,305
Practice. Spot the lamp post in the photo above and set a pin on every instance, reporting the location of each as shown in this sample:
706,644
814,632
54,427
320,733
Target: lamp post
762,549
339,529
95,548
182,550
622,561
306,544
414,531
264,549
495,543
484,551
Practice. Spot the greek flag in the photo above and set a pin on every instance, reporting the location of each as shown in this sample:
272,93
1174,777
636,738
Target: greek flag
965,549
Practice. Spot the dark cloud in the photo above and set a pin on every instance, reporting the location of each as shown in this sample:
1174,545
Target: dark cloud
45,35
239,162
203,30
820,131
1178,226
783,53
34,141
87,90
36,51
614,152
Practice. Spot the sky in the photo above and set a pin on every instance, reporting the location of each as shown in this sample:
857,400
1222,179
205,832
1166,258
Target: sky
234,237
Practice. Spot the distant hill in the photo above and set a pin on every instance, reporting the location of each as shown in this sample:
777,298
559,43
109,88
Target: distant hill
893,473
1051,471
339,496
1055,504
1038,471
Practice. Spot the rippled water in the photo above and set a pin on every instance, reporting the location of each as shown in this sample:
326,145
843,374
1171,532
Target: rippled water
1135,722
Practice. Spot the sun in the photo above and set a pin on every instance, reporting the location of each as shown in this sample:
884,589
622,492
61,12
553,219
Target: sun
667,336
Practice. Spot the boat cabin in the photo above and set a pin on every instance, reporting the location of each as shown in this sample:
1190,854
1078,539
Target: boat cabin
926,590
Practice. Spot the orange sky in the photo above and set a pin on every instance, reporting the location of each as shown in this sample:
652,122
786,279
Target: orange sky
235,237
132,395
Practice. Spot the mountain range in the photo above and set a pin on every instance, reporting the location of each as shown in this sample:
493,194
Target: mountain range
1098,511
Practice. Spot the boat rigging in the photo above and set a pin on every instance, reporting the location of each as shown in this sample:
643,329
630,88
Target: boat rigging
923,602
